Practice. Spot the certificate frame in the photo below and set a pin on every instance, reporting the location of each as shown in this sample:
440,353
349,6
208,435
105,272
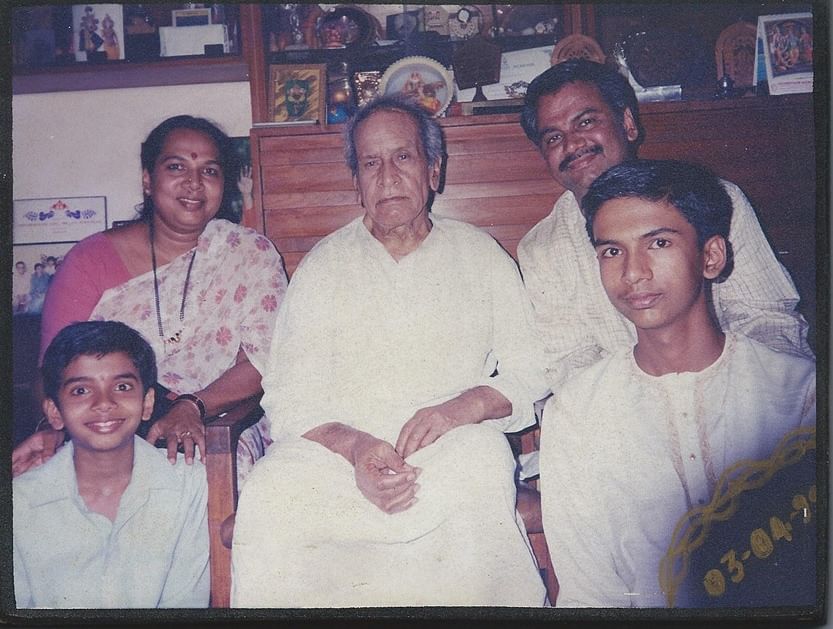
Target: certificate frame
57,219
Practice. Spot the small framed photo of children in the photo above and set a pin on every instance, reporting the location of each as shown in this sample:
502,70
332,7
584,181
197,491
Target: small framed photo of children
32,269
297,93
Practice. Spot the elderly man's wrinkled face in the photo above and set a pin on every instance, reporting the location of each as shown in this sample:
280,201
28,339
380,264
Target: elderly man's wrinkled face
394,178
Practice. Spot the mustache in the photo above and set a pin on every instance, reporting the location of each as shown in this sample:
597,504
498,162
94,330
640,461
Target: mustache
565,164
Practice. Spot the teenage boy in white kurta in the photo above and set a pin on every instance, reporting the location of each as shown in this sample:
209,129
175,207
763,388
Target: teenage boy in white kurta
635,441
383,361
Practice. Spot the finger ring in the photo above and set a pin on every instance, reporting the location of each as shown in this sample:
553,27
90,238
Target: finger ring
187,433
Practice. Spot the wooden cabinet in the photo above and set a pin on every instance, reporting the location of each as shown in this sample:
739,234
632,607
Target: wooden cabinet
495,177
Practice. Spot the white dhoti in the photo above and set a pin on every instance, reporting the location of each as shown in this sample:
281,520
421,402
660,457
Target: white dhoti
461,543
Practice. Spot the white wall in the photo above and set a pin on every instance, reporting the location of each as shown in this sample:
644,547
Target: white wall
87,143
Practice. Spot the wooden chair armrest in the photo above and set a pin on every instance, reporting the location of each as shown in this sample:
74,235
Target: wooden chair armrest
529,507
221,436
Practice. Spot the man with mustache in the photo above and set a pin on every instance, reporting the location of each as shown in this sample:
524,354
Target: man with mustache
584,118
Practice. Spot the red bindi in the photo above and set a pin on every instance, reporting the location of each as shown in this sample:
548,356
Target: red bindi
193,156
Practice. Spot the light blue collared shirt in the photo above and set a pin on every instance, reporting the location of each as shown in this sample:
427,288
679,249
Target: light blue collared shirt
154,554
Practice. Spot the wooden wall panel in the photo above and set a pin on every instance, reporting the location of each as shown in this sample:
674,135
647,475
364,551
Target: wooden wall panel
495,178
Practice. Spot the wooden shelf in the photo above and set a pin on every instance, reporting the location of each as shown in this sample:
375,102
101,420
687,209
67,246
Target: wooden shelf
182,71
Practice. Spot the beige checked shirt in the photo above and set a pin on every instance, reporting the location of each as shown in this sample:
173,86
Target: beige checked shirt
578,325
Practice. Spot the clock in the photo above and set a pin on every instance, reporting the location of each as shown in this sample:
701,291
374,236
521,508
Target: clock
464,23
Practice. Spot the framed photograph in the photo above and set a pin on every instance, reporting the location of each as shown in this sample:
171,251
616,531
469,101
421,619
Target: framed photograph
297,93
787,42
424,79
65,219
191,17
98,32
32,269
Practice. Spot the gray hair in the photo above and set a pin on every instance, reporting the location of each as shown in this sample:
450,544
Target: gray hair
430,133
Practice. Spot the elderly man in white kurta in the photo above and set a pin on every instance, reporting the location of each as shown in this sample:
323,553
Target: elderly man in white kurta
402,352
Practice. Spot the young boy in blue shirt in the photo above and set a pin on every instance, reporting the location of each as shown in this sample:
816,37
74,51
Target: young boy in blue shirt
107,522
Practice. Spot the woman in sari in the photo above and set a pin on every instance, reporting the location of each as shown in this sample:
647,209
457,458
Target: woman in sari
202,290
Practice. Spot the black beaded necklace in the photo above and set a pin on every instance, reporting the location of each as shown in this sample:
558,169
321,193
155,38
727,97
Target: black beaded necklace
177,336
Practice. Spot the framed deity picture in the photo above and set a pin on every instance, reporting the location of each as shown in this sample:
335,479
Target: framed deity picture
297,93
786,44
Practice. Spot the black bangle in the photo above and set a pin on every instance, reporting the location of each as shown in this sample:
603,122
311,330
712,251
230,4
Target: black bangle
190,397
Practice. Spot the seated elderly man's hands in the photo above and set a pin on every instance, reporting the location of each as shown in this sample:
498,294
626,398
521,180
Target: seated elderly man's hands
429,424
181,424
36,450
432,422
383,476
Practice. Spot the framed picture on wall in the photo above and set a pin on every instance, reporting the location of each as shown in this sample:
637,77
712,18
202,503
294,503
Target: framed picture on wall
297,93
32,269
58,219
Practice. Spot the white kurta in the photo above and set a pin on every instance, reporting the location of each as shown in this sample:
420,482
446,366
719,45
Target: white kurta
624,455
366,341
578,325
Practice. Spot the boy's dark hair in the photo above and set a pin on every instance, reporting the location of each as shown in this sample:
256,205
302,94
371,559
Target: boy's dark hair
96,338
614,88
693,190
152,148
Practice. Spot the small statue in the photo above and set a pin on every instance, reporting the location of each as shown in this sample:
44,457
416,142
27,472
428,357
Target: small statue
725,86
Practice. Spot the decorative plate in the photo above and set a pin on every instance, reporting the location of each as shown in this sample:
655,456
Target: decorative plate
345,27
424,79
